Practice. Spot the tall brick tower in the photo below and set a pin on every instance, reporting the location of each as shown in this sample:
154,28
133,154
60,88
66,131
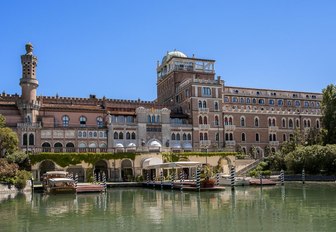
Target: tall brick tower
29,105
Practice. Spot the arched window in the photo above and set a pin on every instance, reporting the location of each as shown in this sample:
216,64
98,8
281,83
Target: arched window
205,136
308,123
149,119
201,136
189,136
284,137
304,123
283,123
243,138
242,121
178,137
226,136
82,121
115,135
257,137
121,135
226,122
216,121
65,120
46,147
158,118
128,135
297,123
58,147
100,122
274,137
231,136
173,136
199,104
31,139
204,104
270,137
230,121
184,137
153,118
256,122
200,120
24,139
290,123
205,120
269,122
217,136
133,135
216,106
273,122
317,124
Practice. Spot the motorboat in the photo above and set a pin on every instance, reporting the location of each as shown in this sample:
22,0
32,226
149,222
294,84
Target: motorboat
55,182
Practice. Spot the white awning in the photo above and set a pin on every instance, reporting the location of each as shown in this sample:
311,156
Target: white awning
155,144
150,162
131,145
179,164
119,145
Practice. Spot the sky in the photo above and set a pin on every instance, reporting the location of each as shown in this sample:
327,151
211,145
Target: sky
111,48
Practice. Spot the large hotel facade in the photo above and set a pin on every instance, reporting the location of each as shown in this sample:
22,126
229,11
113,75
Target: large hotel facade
194,111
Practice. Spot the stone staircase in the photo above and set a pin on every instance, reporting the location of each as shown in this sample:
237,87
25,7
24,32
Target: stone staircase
248,168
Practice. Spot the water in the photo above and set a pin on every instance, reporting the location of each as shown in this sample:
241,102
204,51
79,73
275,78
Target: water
295,207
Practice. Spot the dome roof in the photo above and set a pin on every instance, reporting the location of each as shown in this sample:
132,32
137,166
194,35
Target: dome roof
173,53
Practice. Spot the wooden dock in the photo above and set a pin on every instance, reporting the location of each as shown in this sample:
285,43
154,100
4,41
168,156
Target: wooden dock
185,186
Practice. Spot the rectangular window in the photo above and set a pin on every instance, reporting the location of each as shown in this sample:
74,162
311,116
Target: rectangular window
206,91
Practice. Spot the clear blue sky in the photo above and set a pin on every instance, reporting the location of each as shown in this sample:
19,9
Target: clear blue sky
110,48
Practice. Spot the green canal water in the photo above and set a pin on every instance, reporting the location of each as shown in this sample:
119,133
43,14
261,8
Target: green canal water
293,207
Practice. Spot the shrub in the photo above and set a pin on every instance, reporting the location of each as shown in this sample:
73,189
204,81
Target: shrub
21,179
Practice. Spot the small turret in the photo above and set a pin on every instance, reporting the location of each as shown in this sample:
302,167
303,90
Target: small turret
28,82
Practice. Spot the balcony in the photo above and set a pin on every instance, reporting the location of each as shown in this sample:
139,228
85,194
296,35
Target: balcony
205,143
229,127
231,143
274,143
203,110
204,126
273,128
34,125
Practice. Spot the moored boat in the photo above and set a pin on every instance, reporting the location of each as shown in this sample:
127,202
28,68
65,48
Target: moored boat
55,182
225,180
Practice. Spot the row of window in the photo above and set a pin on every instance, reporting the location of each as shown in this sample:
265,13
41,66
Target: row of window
272,137
121,135
228,120
71,145
153,119
203,104
82,121
203,120
92,134
280,102
177,136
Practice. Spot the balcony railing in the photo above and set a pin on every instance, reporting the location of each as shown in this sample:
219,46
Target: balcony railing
204,126
274,143
230,143
203,110
34,125
204,143
229,127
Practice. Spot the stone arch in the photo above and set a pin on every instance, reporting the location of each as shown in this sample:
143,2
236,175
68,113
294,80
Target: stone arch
46,147
101,167
126,170
225,163
70,147
46,166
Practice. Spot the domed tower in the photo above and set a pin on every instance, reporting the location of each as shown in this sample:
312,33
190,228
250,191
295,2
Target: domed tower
29,105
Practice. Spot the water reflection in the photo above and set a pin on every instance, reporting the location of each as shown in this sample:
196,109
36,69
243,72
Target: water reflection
278,208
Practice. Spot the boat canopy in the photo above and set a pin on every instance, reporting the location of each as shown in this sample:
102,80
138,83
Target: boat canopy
61,180
179,164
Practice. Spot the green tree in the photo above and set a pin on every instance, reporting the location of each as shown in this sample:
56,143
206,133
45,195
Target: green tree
314,136
329,113
8,141
2,121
